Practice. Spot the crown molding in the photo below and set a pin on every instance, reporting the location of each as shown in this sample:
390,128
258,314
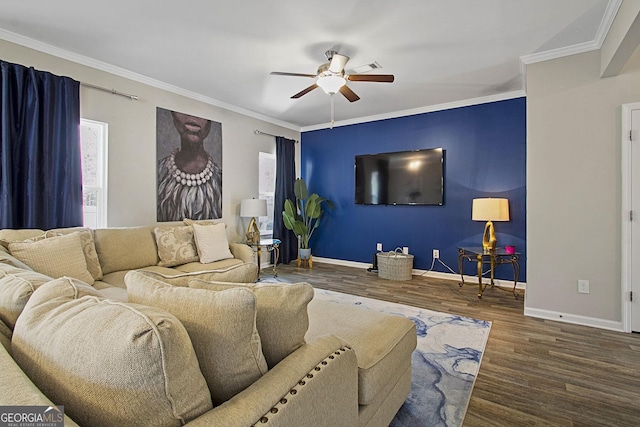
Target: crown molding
140,78
601,34
421,110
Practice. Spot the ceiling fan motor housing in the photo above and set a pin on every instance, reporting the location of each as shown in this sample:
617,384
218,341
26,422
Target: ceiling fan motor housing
323,70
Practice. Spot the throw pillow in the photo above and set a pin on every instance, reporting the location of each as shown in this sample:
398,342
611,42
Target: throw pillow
111,363
222,327
88,247
55,256
282,317
212,243
176,245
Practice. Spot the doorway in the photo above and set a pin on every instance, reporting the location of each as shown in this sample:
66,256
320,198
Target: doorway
631,217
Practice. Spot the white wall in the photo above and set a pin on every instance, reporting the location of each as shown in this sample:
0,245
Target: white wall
574,187
132,138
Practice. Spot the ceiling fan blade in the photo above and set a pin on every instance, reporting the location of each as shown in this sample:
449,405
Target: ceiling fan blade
349,94
337,63
383,78
304,91
280,73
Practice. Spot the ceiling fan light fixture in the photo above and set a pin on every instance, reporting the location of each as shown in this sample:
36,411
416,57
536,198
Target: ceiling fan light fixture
331,83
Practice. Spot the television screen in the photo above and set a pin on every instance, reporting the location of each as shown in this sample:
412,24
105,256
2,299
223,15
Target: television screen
400,178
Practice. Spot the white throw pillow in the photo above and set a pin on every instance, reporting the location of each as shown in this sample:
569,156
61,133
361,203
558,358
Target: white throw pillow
212,243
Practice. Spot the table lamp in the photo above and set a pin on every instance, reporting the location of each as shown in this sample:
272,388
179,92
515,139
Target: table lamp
253,208
489,209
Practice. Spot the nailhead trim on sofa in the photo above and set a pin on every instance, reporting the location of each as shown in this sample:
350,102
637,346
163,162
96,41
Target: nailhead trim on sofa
283,401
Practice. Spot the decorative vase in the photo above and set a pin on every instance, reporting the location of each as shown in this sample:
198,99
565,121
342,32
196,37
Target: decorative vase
305,253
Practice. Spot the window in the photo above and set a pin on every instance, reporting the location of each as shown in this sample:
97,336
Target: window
266,190
93,140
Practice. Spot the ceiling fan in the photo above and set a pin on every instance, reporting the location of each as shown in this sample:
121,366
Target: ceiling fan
332,78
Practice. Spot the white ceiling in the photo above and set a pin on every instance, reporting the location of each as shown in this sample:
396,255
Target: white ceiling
441,52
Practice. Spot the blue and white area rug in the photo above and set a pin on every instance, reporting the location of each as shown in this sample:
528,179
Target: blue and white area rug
444,365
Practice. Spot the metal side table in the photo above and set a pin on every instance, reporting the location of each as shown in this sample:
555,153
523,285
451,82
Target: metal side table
271,245
492,258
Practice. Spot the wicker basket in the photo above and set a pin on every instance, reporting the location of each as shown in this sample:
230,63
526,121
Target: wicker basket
394,265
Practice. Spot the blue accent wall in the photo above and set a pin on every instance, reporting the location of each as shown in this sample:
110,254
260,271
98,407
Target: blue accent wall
484,156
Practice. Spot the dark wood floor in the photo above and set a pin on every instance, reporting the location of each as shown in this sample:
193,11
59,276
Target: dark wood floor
533,372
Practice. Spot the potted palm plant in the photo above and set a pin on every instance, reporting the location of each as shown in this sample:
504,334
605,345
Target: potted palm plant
303,217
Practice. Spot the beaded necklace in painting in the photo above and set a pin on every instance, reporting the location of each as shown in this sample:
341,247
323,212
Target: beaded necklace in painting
190,179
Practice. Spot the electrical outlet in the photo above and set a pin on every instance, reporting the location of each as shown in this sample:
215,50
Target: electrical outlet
436,254
405,250
378,247
583,286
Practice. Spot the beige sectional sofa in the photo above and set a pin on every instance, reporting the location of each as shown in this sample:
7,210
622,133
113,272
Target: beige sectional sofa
188,344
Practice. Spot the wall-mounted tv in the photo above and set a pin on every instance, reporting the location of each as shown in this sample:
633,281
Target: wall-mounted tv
400,178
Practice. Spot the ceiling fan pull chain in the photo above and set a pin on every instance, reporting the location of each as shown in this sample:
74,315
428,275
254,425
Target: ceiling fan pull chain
332,111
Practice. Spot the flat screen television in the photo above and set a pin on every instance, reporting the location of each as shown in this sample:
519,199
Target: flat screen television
400,178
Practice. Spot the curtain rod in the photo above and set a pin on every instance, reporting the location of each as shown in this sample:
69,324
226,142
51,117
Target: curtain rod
111,91
259,132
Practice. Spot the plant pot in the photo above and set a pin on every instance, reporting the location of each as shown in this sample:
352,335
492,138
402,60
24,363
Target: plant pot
305,253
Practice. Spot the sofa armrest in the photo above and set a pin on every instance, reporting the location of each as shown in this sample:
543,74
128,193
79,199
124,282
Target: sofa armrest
315,385
242,252
16,389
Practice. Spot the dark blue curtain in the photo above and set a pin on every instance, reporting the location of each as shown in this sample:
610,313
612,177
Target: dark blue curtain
40,163
285,177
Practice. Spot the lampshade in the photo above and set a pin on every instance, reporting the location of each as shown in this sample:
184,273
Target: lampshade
331,84
253,208
490,209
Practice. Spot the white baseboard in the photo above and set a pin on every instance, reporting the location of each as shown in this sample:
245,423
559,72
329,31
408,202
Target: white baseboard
473,280
574,319
343,262
470,280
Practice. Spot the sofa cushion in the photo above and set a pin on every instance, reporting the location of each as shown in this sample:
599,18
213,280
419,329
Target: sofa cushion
228,270
222,327
212,242
237,272
176,245
383,342
16,287
223,264
111,363
176,277
125,248
55,256
282,318
88,248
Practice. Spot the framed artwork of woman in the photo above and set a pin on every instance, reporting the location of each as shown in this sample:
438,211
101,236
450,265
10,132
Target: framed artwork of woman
189,155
